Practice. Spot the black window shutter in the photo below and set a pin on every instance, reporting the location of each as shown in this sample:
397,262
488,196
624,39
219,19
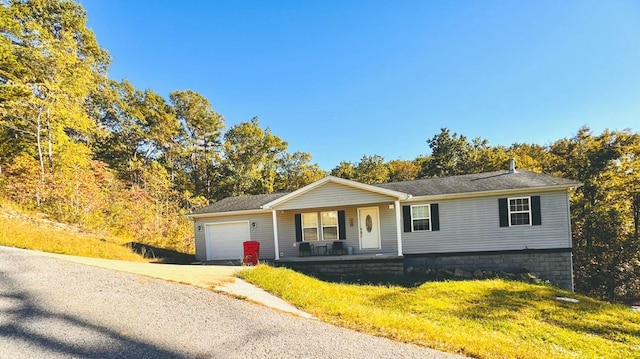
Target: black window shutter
342,225
406,216
298,227
435,217
536,215
504,212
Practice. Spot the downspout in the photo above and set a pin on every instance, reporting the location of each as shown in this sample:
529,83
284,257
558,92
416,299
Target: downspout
573,288
275,233
398,226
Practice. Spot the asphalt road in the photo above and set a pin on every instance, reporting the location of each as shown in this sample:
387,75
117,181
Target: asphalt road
50,308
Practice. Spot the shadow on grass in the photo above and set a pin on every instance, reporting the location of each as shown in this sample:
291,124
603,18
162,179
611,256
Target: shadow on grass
538,302
589,317
406,281
30,326
161,255
495,302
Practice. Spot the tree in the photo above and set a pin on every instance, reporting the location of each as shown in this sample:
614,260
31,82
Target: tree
140,127
530,157
115,109
12,69
401,170
296,171
202,143
60,64
20,181
63,125
250,161
454,155
448,153
605,246
344,170
371,170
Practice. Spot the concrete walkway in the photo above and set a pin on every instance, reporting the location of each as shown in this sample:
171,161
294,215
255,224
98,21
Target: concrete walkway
246,290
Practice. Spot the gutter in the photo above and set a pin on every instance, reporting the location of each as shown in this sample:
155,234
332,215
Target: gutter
491,193
193,216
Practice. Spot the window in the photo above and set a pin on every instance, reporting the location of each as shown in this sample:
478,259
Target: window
309,226
420,218
319,226
329,222
519,211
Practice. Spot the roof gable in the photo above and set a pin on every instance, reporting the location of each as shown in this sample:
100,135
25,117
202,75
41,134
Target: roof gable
387,193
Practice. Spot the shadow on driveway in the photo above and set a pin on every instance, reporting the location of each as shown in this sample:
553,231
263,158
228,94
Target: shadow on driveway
35,329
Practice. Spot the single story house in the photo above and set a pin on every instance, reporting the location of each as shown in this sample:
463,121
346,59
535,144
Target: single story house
502,220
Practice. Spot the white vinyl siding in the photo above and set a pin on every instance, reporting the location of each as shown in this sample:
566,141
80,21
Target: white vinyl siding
333,195
469,225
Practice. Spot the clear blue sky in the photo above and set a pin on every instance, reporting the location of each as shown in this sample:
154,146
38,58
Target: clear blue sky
342,79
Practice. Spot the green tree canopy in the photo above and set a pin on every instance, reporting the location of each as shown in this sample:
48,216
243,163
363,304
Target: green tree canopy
202,144
250,162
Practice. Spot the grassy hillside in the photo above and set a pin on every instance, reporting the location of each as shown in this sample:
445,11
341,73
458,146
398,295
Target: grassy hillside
478,318
31,231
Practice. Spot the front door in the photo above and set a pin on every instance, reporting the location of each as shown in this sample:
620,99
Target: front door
369,228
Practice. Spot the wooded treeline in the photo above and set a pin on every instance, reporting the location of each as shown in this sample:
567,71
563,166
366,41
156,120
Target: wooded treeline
87,149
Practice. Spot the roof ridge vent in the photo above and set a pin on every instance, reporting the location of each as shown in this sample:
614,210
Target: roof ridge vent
512,165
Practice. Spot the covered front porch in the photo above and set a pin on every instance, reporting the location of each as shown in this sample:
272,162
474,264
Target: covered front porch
337,216
339,258
347,266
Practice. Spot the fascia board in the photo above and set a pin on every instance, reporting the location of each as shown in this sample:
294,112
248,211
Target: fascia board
226,214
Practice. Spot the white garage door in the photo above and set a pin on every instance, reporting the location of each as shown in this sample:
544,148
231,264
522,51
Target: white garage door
224,240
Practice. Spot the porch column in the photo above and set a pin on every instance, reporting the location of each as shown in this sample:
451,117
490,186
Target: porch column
398,227
275,233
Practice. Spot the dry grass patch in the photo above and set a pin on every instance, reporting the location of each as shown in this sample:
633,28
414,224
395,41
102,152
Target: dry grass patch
29,235
484,319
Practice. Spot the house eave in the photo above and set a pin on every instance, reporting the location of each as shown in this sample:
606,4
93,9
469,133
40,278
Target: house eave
225,214
506,192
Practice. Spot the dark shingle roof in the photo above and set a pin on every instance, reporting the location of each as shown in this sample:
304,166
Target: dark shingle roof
481,182
243,203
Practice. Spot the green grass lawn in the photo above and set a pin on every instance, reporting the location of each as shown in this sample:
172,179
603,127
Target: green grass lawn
478,318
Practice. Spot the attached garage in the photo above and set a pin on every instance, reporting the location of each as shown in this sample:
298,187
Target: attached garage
224,240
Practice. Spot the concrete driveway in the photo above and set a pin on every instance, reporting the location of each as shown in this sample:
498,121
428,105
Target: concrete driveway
50,308
205,276
218,278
